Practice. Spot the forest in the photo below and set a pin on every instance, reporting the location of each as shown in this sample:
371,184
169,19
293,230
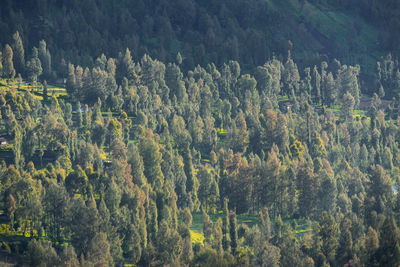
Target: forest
166,144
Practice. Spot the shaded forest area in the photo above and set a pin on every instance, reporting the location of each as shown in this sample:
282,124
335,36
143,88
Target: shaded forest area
137,161
251,32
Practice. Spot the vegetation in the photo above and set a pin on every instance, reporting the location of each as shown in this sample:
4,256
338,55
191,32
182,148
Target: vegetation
115,158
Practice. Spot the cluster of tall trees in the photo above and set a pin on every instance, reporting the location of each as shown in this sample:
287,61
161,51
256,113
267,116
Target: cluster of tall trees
14,63
113,173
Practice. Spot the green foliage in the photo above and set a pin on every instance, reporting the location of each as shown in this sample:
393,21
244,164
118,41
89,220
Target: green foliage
116,180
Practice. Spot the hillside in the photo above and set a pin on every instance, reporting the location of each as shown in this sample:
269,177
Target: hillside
199,133
248,31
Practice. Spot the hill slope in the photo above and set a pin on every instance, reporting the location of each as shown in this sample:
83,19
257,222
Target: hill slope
209,31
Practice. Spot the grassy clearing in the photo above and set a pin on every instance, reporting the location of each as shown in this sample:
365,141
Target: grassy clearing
36,88
56,91
302,226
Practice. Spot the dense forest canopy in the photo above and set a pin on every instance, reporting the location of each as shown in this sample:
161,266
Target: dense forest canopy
251,32
131,135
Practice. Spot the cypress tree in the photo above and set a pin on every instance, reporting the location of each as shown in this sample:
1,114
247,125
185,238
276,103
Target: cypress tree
19,58
8,65
226,240
233,232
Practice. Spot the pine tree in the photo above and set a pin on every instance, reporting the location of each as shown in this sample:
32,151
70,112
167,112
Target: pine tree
45,59
207,228
388,253
317,84
150,152
188,168
99,251
371,244
348,104
8,65
226,241
19,54
34,66
327,231
233,232
308,188
345,249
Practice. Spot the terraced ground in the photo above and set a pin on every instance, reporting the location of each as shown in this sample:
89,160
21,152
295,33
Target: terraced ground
196,229
35,88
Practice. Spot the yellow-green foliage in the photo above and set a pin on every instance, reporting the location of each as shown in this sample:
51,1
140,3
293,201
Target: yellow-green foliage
221,131
197,238
297,149
319,147
56,91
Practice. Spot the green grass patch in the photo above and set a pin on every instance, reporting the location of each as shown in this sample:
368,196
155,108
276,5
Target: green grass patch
302,226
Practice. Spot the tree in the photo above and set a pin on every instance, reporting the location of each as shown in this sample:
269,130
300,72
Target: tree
132,244
308,188
136,162
55,203
348,82
41,253
371,244
233,232
269,77
207,228
345,248
17,146
169,244
267,255
226,241
374,108
68,257
72,82
208,192
388,253
348,104
126,67
19,58
188,168
316,81
76,181
179,58
11,208
34,66
99,251
265,224
291,77
381,186
150,152
329,89
238,136
45,59
173,79
210,257
327,231
83,225
307,83
8,65
328,189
